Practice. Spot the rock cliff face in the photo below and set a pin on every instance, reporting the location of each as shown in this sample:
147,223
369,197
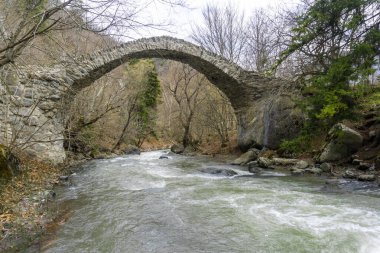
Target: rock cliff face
270,120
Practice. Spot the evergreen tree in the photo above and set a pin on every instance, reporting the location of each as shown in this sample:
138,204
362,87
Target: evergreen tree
341,38
147,107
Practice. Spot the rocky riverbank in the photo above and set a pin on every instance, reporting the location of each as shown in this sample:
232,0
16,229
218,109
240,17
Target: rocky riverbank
346,154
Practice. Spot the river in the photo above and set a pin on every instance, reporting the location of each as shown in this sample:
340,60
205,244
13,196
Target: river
140,203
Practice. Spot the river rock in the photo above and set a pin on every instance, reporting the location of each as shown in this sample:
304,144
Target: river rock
314,170
326,167
356,161
64,178
255,170
177,149
264,162
333,181
366,177
342,142
252,164
246,157
132,150
364,166
218,171
349,174
287,162
297,172
301,164
163,157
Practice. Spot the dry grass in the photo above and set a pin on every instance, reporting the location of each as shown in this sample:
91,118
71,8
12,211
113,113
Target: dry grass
23,199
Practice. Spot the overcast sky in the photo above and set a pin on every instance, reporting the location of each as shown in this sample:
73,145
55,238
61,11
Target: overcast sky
182,19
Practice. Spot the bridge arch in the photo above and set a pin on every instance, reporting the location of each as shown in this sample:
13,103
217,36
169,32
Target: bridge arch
225,75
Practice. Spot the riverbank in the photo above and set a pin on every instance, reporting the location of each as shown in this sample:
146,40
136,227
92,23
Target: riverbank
27,203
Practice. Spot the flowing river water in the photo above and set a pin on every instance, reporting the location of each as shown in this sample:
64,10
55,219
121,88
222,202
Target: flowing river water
142,203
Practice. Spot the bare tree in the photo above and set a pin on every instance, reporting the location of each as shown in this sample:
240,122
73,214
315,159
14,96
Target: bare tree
129,114
22,21
92,105
263,41
222,32
217,115
185,88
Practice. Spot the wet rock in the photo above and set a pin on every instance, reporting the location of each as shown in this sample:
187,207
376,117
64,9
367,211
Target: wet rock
356,161
64,178
252,164
248,156
326,167
366,177
333,181
177,149
132,150
218,171
349,174
342,142
264,162
255,170
297,172
364,166
314,170
163,157
332,185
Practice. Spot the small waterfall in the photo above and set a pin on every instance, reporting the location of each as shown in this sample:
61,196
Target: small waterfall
267,119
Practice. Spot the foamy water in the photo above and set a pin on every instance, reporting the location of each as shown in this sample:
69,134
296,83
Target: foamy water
145,204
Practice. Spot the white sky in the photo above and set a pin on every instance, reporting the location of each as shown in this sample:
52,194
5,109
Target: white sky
182,19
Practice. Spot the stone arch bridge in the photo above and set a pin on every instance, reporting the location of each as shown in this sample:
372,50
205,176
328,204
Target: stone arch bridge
34,92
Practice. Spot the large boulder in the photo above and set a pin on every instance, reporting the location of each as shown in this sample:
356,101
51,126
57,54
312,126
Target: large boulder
342,143
272,119
245,158
177,148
